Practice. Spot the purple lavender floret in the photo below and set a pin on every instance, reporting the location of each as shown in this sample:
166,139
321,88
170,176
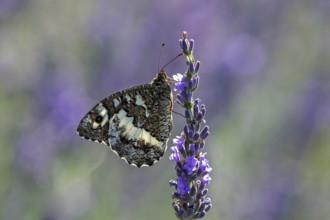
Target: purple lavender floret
180,82
192,168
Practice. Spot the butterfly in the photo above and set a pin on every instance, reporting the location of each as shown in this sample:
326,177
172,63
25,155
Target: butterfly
136,122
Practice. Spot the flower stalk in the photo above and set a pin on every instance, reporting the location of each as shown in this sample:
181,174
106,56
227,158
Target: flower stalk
192,168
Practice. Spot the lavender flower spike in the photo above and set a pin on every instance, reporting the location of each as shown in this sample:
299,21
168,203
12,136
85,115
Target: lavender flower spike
192,168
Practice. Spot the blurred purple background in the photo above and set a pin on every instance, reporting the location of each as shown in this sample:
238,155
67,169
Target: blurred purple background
265,79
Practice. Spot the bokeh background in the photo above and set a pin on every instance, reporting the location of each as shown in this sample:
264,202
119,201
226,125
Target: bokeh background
265,79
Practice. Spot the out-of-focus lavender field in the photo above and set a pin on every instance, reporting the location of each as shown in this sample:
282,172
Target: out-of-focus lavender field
264,77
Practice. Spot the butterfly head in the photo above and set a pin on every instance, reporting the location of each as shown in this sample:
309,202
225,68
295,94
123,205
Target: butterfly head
161,79
91,127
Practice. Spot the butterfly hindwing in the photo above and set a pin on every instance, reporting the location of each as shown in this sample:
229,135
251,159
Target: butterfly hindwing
135,123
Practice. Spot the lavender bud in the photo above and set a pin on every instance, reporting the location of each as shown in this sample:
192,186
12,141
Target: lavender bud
193,176
192,150
176,207
182,151
186,96
198,63
208,201
196,136
176,195
197,81
201,187
190,211
204,131
197,215
185,46
185,207
204,192
191,69
179,102
182,213
196,110
199,116
191,46
208,207
180,98
202,214
202,145
191,84
187,114
173,183
190,134
193,191
194,83
178,171
187,147
185,130
204,136
199,195
180,43
197,126
203,110
201,207
197,147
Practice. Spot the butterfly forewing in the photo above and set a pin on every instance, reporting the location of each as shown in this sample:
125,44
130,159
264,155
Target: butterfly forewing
135,123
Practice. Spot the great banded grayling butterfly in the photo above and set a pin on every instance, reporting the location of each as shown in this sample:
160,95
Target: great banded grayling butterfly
136,122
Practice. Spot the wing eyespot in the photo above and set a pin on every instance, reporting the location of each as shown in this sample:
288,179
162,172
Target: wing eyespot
99,119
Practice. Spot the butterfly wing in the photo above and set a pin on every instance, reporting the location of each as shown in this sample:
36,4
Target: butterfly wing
135,123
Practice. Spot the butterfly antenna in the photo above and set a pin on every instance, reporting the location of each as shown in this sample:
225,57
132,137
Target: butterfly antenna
178,113
179,55
160,54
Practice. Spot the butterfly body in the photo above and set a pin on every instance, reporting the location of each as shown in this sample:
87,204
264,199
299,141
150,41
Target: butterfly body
136,122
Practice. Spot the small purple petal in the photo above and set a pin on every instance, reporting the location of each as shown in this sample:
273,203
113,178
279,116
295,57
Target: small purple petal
183,186
180,82
206,179
204,164
173,183
178,140
175,156
190,165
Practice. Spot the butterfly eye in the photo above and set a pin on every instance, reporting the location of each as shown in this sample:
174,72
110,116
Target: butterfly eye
98,119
